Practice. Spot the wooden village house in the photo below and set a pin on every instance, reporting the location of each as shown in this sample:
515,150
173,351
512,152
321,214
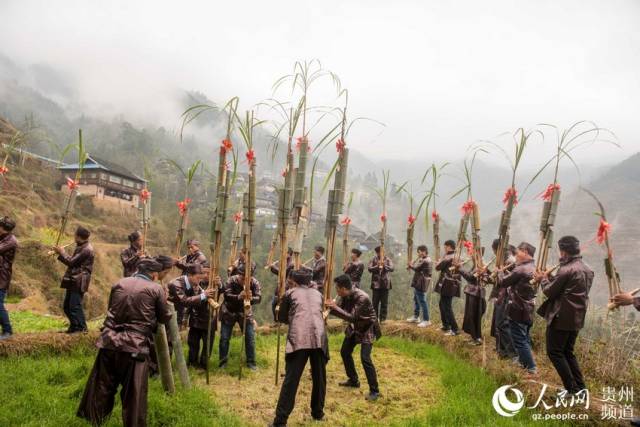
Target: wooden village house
106,181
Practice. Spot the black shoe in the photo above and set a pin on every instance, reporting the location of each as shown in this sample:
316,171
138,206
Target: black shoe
252,367
222,364
6,336
319,419
372,396
349,383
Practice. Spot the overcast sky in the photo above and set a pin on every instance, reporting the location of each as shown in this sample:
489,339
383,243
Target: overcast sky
439,74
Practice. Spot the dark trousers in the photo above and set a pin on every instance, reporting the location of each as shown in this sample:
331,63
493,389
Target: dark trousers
294,367
380,299
348,345
249,341
504,343
446,313
4,315
560,351
197,339
113,369
73,310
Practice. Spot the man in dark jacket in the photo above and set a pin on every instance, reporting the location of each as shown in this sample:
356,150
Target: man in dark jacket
627,298
521,303
421,267
565,309
354,268
8,246
275,269
317,268
499,322
356,309
186,292
380,283
301,309
76,279
131,255
194,256
475,304
448,287
232,312
136,306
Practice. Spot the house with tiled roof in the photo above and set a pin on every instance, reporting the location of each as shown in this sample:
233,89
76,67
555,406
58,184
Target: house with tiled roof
106,181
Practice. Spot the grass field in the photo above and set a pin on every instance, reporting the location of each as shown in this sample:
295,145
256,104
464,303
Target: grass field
421,385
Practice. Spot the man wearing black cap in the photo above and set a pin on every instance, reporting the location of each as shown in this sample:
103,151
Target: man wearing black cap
76,279
232,312
380,283
131,255
8,247
136,306
565,309
356,309
301,309
185,292
522,298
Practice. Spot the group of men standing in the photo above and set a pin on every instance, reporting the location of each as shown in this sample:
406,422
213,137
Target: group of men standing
515,287
137,304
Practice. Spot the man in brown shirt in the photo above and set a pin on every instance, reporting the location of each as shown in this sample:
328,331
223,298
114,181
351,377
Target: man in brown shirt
301,308
421,267
380,283
232,312
564,311
8,246
448,287
76,279
521,304
136,306
354,268
186,292
356,309
317,268
131,255
194,256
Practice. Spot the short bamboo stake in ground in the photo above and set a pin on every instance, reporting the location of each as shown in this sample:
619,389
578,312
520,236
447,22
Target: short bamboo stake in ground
176,341
164,359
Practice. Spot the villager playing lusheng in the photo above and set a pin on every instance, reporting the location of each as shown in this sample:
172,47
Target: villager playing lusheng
499,322
355,267
76,279
232,312
302,309
194,256
522,298
564,310
448,287
356,309
131,255
186,292
317,268
8,247
422,268
380,283
136,306
474,307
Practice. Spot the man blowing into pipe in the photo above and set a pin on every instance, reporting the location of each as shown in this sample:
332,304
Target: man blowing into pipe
521,304
380,283
499,322
421,267
186,292
8,246
317,268
76,279
565,309
448,287
131,255
301,308
232,312
354,268
136,306
363,328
